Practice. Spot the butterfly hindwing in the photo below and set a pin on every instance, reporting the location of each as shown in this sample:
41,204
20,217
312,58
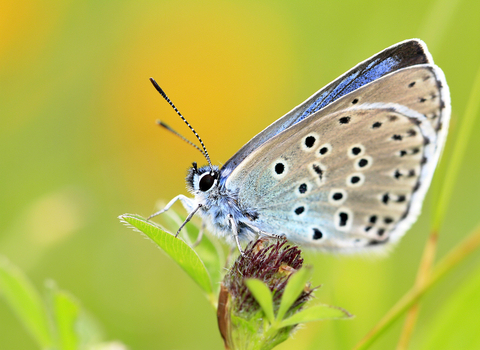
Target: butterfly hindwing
351,174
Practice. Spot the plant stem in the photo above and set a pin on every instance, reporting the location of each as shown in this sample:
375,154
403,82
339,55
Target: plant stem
456,255
423,273
429,252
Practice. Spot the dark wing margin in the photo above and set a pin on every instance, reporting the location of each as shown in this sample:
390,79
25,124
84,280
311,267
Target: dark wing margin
390,60
404,54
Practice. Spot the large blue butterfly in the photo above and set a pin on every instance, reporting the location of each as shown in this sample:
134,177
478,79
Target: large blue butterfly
346,169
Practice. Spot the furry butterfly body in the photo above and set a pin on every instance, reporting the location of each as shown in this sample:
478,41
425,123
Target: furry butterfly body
347,169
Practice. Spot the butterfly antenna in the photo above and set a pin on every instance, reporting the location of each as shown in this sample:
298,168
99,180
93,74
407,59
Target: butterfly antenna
205,152
159,122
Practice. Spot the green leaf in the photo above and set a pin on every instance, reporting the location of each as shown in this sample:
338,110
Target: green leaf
176,248
211,253
315,313
66,312
89,331
263,296
25,301
294,287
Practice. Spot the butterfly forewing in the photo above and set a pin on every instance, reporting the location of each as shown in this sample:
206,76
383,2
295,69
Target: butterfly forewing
405,54
420,88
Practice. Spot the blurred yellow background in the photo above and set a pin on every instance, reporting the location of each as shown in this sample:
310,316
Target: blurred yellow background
79,146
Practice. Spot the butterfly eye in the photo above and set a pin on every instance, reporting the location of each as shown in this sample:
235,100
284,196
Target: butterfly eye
207,181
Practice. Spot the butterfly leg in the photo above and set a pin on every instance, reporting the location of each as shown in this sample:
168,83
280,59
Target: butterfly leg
263,233
235,233
272,235
200,235
189,217
187,203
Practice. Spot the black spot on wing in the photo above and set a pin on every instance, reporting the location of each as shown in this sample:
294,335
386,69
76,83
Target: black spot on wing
385,198
356,151
318,170
344,120
302,188
317,234
337,196
387,220
411,132
363,163
310,141
343,218
299,210
375,242
279,168
354,179
397,137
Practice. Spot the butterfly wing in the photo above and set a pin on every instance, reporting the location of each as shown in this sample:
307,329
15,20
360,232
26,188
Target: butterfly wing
404,54
354,173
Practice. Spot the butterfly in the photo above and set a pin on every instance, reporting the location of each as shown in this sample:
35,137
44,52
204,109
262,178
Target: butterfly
346,170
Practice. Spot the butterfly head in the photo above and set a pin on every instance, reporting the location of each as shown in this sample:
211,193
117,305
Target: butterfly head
202,180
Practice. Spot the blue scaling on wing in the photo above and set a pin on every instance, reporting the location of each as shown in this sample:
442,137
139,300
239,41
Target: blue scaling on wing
404,54
350,83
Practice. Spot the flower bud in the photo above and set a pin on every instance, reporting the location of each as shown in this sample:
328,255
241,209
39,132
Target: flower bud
242,321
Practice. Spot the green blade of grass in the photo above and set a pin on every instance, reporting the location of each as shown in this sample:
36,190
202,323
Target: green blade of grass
25,302
458,153
263,296
176,248
316,313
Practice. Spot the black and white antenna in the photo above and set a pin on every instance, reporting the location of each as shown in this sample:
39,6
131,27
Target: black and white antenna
204,152
163,125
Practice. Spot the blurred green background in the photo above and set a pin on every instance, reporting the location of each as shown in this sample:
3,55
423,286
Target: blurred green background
79,147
